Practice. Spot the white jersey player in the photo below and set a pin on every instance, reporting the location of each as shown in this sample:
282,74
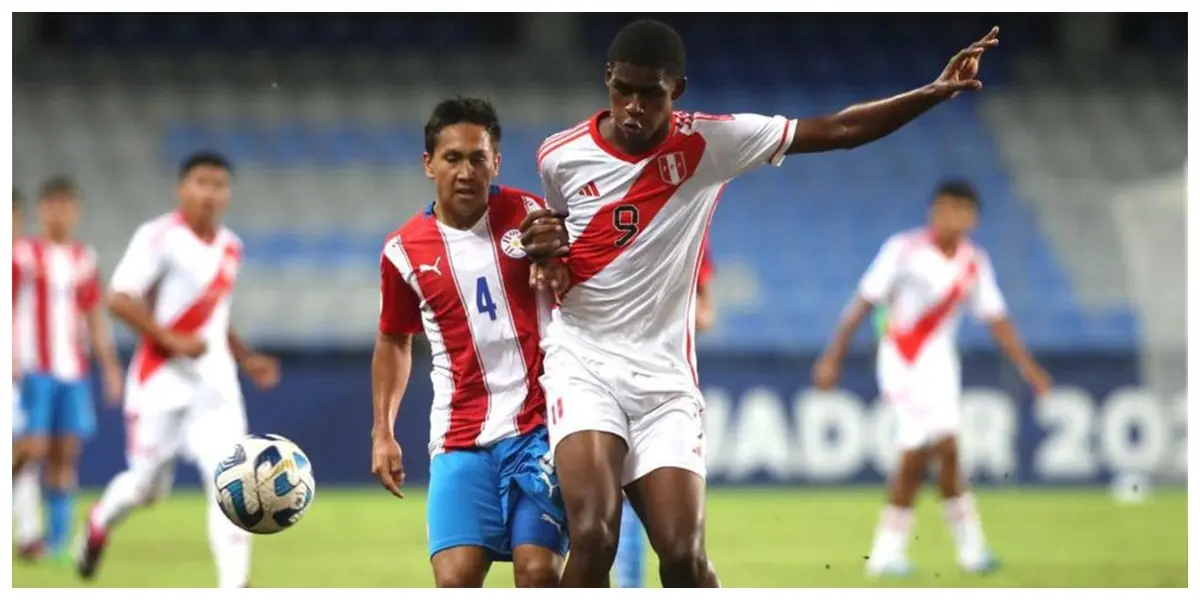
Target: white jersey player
174,287
638,184
926,279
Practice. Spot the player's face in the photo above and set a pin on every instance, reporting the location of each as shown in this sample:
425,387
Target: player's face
641,100
953,217
59,214
205,191
462,166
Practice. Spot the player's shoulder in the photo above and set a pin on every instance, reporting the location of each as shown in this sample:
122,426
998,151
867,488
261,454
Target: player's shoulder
418,227
511,197
688,122
554,147
160,228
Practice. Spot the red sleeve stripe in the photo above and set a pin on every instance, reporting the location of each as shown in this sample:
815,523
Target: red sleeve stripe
784,142
550,146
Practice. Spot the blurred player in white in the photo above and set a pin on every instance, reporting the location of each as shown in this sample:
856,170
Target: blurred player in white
924,278
638,183
457,272
58,315
174,288
27,491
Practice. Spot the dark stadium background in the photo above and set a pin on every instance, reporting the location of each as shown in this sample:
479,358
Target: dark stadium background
1077,144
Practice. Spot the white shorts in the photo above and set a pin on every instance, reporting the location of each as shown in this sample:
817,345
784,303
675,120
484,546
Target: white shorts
203,431
925,397
662,427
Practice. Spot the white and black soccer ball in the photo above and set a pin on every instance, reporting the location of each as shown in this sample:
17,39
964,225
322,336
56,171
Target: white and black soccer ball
265,485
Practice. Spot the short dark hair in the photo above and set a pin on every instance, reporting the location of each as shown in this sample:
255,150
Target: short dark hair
957,188
204,158
461,109
649,43
57,185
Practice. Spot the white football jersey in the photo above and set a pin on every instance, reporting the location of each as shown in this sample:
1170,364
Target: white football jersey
636,226
55,286
924,291
469,291
187,283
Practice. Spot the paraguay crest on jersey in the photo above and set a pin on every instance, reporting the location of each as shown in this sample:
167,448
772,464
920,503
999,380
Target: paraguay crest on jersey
510,243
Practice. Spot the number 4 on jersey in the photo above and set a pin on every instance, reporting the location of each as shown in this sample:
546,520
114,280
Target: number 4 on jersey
483,298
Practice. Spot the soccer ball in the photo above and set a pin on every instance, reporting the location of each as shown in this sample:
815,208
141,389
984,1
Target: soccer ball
265,485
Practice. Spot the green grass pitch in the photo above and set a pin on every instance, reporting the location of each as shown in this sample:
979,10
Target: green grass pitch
756,538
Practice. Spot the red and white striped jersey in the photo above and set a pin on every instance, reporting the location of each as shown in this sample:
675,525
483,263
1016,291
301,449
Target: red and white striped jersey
469,291
187,282
636,225
54,287
924,291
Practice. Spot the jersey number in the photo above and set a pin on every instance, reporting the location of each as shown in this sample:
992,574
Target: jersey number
626,220
483,298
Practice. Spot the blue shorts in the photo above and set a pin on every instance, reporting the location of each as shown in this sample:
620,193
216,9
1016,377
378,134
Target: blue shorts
499,497
54,407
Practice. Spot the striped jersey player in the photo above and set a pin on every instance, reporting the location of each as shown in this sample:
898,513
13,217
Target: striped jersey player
458,273
57,314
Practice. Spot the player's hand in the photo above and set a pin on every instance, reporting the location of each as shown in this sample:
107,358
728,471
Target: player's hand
552,276
1039,380
183,344
387,464
543,235
826,373
113,385
962,72
262,369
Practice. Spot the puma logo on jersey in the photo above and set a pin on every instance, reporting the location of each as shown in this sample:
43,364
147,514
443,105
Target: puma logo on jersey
433,267
558,526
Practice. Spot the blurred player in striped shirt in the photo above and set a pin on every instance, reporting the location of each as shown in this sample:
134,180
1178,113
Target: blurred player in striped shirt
630,564
57,312
27,491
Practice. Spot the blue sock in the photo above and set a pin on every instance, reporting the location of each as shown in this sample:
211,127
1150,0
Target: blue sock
60,509
631,550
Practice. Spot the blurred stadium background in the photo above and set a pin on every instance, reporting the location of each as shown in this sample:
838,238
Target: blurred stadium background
1078,145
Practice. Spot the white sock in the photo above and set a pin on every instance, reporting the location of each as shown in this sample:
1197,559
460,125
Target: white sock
967,529
27,505
891,535
122,495
230,546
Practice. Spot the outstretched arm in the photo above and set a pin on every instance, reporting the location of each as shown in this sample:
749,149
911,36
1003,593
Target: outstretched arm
863,123
1010,342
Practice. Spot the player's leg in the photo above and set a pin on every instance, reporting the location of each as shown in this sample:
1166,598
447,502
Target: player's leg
667,473
889,550
74,421
631,550
589,466
531,500
212,428
152,439
962,517
464,521
27,512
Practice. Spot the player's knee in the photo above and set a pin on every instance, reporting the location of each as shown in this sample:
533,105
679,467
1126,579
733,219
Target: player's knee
542,572
33,449
683,553
457,578
594,537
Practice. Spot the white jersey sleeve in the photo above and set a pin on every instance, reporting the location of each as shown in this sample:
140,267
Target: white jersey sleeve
553,193
746,141
879,279
986,301
143,262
